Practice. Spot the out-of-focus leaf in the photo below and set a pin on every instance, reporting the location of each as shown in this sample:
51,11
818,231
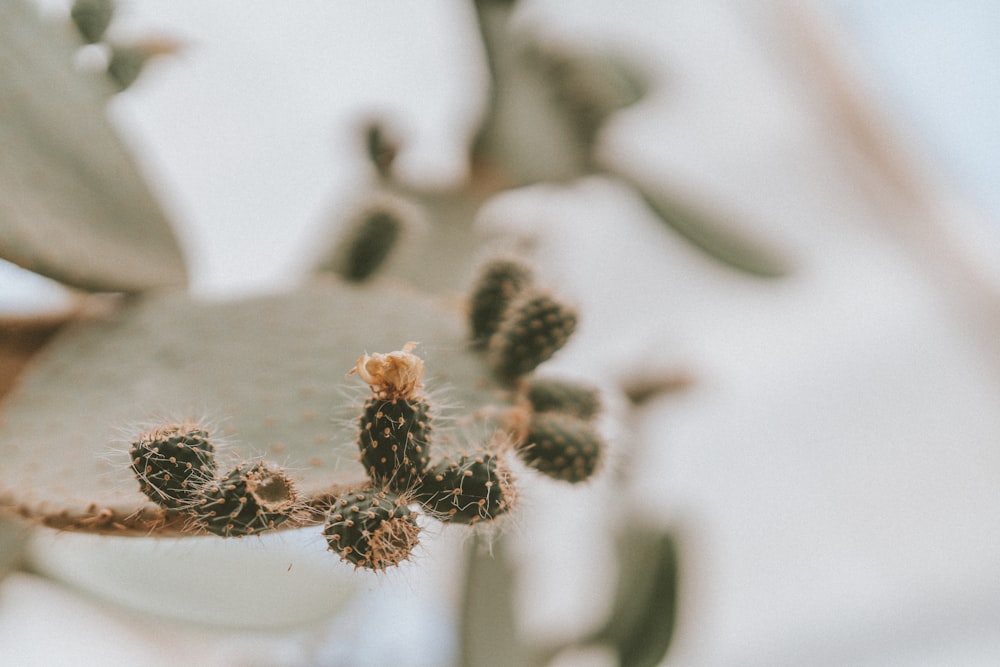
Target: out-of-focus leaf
73,204
641,624
489,635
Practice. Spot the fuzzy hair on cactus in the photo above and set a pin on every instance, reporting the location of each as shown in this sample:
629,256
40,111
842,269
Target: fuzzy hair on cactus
172,461
372,529
251,498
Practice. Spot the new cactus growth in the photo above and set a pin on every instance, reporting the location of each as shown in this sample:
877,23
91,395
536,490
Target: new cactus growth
499,281
562,446
171,461
534,327
553,395
468,489
251,498
395,425
372,529
369,241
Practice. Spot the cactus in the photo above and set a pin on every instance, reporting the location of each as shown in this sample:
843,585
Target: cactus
250,499
562,446
534,327
468,489
372,529
170,461
554,395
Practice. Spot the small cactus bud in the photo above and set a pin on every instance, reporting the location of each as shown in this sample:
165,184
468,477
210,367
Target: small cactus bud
92,18
171,461
250,499
470,489
562,446
394,439
534,327
550,395
499,281
372,529
369,239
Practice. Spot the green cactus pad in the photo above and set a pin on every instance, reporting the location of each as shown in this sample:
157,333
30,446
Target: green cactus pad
562,447
499,281
73,203
372,529
468,489
534,327
252,498
394,437
171,461
572,398
269,375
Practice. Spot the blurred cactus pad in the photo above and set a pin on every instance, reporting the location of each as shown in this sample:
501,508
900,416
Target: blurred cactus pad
267,376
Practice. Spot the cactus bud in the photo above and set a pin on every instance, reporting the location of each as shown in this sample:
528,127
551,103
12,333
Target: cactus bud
470,489
550,395
395,441
171,461
372,529
499,281
562,446
534,327
250,499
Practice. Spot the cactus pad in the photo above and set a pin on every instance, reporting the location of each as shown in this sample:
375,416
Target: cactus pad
74,205
270,374
372,529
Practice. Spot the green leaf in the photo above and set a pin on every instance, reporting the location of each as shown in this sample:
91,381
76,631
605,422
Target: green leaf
73,203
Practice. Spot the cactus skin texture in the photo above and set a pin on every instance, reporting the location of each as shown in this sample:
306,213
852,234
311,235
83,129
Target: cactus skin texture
171,462
499,281
562,446
571,398
252,498
534,327
372,529
395,441
469,489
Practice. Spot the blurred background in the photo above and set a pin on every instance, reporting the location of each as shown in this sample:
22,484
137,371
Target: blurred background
832,470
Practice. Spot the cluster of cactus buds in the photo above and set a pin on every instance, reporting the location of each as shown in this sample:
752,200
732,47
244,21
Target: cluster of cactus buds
518,326
176,468
373,527
548,425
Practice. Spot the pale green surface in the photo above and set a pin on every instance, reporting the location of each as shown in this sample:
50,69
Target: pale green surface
268,375
73,205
